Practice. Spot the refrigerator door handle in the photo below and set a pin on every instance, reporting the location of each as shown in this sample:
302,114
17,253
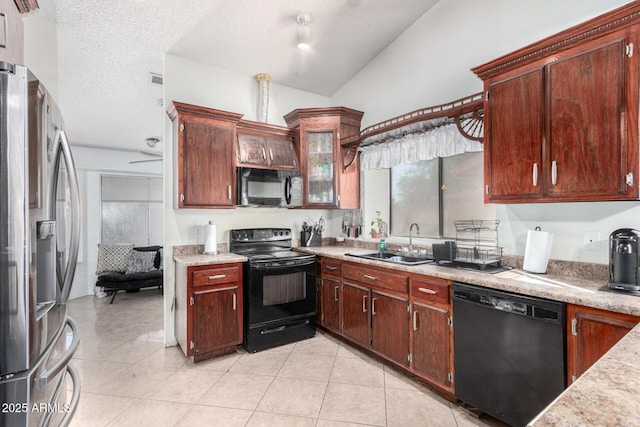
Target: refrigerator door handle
50,373
75,397
68,272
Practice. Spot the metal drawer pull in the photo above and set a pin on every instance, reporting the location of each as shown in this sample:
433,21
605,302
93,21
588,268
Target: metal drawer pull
428,291
415,320
271,154
217,276
366,276
364,303
328,267
373,306
235,300
229,192
335,293
264,155
554,173
535,174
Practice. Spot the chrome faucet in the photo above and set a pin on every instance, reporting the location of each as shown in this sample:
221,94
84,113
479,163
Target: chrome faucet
410,236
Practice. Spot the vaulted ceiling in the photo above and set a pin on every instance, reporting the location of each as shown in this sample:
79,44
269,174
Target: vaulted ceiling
108,50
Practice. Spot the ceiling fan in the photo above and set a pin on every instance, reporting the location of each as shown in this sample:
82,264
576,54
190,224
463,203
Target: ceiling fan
151,142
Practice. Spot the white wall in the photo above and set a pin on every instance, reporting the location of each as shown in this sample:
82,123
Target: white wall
41,51
91,163
430,64
199,84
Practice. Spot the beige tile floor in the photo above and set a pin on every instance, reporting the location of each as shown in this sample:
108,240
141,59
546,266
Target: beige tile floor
129,379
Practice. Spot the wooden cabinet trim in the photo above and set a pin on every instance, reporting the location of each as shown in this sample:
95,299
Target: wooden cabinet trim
549,47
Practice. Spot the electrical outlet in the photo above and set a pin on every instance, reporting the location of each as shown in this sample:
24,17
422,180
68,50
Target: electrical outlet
592,241
198,232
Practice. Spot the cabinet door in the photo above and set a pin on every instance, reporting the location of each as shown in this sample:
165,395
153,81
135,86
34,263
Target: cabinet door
355,313
586,156
252,151
281,154
591,334
513,149
216,319
207,170
390,326
331,303
320,182
431,332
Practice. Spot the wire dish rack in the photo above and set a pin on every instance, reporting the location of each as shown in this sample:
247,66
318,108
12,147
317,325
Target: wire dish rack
477,242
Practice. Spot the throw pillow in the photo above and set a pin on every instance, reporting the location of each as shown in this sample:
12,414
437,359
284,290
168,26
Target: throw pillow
113,257
139,262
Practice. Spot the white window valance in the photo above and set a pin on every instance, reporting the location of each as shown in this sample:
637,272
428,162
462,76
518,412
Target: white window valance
420,141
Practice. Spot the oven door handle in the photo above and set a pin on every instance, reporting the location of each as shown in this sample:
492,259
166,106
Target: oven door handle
260,266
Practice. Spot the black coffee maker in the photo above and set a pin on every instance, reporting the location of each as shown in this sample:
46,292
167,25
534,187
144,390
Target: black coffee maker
624,260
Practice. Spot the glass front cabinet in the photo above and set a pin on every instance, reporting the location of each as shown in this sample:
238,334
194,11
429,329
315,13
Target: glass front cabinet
327,184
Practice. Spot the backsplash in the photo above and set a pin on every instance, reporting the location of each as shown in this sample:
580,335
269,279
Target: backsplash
582,270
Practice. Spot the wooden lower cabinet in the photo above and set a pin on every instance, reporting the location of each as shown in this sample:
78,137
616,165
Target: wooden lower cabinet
590,334
431,355
208,309
390,326
356,322
330,292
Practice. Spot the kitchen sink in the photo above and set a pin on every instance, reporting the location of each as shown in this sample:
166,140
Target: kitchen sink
394,257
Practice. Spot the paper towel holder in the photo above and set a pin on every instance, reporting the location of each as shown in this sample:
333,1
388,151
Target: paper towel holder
210,240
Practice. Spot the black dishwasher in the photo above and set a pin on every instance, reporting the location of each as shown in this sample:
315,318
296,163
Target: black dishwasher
509,352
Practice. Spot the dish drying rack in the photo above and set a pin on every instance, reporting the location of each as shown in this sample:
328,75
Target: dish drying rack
477,242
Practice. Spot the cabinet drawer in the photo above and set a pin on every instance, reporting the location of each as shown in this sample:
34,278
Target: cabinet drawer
376,278
331,267
215,276
430,289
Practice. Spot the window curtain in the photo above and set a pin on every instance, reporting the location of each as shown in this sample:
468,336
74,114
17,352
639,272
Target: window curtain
421,141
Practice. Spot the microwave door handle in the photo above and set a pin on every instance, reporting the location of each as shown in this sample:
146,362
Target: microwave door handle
63,153
287,190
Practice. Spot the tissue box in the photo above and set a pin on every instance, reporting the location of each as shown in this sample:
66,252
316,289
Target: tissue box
316,240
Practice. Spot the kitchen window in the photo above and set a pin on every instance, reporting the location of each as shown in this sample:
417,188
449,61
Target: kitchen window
434,193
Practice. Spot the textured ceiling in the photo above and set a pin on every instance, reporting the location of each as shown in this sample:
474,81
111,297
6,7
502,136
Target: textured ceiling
108,48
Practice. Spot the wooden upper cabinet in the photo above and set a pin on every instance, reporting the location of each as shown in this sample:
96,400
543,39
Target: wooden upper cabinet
586,112
513,158
206,149
327,183
561,115
265,146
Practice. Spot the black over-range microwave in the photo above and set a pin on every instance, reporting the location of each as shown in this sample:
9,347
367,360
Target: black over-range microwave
269,188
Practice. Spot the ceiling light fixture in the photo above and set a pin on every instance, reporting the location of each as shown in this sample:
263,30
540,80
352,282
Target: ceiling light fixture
304,31
152,142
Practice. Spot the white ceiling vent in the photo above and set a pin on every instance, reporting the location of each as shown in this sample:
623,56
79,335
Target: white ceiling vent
156,78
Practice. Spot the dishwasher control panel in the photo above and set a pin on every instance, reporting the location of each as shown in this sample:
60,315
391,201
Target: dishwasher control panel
510,303
500,303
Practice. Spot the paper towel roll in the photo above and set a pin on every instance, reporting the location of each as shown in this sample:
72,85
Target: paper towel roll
537,251
210,241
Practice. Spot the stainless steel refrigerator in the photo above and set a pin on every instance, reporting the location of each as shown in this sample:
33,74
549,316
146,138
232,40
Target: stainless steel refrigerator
39,235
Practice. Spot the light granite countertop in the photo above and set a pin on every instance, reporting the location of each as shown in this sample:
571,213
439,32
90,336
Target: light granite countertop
191,260
554,287
608,394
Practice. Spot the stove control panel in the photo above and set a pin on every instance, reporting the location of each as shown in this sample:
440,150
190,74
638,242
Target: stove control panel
260,234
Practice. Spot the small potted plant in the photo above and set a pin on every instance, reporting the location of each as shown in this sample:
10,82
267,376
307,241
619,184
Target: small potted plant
378,223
